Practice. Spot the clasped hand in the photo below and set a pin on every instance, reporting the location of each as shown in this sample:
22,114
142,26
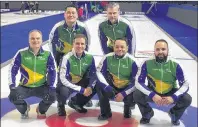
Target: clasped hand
88,91
161,101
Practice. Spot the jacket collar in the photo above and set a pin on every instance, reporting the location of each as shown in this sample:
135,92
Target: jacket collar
41,51
120,57
75,26
168,58
116,23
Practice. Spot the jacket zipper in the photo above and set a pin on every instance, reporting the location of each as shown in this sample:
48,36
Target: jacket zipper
114,33
119,69
34,67
80,67
161,77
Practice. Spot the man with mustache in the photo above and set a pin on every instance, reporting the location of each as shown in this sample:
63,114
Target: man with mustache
162,73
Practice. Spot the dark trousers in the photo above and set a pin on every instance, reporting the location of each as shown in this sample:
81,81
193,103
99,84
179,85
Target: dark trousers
6,5
18,95
37,7
63,93
23,8
58,57
180,106
104,97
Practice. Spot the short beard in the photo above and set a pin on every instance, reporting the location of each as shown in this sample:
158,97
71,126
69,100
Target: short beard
161,60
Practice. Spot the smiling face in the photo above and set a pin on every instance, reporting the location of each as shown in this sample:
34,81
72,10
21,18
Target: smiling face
79,46
120,47
35,40
71,15
161,50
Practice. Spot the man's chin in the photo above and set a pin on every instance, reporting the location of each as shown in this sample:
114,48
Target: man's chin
72,21
120,54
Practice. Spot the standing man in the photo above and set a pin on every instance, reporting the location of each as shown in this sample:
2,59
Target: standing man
7,5
62,35
162,73
116,75
35,65
77,73
36,6
114,27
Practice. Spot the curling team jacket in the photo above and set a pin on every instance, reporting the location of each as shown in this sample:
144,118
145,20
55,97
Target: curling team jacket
61,37
33,68
122,71
109,32
162,78
73,69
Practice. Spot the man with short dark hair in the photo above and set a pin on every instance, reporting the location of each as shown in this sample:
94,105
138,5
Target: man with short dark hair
77,72
162,73
116,74
62,35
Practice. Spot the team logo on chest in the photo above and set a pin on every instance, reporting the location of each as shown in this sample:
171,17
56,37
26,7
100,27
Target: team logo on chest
41,58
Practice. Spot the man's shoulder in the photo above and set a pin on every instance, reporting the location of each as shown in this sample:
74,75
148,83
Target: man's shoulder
23,50
88,54
103,22
80,24
47,52
127,55
173,60
58,24
124,21
149,60
68,55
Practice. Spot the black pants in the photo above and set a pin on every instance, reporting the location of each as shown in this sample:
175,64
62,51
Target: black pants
180,106
23,8
104,97
64,92
6,5
58,57
37,7
18,95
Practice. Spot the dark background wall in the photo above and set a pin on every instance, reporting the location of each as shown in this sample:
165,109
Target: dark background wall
186,14
51,5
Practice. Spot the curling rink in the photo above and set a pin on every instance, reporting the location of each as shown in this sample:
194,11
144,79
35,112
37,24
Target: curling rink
146,33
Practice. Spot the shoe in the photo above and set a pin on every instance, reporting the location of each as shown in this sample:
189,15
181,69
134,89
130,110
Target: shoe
147,118
77,107
127,112
25,115
174,121
89,104
144,121
104,116
61,110
39,115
